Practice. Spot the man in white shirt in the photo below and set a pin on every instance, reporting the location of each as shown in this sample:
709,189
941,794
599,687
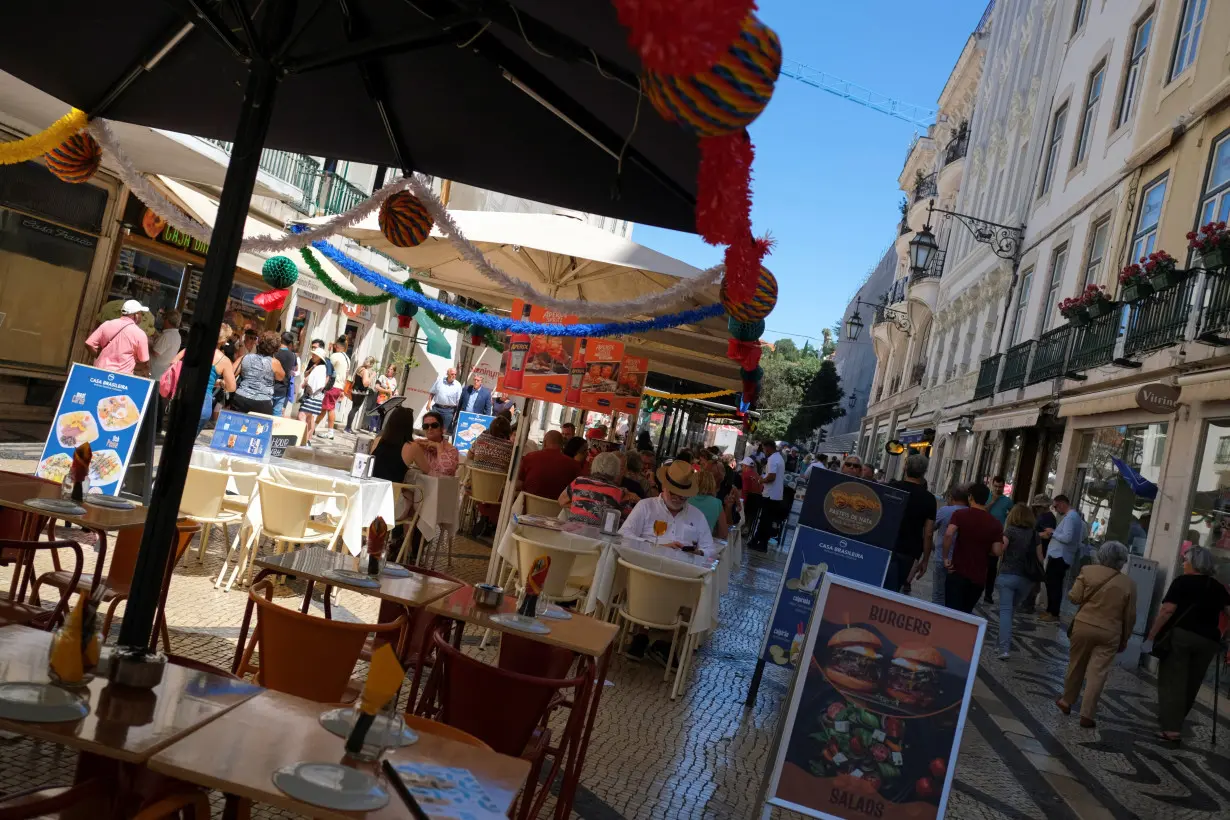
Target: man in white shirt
341,370
445,394
685,525
771,511
166,346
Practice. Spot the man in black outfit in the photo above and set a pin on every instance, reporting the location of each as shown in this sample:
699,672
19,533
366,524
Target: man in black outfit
912,552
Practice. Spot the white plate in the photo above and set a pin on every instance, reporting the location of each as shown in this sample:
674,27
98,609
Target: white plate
352,578
395,571
556,613
341,721
110,501
40,703
521,623
331,786
55,505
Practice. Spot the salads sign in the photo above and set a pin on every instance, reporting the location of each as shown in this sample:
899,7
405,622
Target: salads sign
241,434
102,409
873,723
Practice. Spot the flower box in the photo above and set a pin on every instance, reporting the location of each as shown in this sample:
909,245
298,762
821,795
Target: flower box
1212,244
1164,278
1078,317
1213,258
1100,307
1136,291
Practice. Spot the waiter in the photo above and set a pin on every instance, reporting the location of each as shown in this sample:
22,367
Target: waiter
445,395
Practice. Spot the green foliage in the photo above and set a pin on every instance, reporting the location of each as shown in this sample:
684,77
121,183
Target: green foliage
793,379
821,403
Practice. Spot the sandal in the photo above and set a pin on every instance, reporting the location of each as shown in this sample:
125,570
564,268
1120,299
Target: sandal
1167,737
1063,707
1087,723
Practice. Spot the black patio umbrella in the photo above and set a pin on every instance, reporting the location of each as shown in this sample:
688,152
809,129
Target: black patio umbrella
534,98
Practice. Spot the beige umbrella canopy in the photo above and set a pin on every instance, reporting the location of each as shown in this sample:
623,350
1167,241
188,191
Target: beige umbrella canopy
569,259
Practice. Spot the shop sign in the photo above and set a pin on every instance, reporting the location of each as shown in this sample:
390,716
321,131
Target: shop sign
1157,398
137,217
853,508
358,312
876,712
55,231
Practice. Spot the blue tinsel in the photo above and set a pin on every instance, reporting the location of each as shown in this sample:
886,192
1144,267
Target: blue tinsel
499,323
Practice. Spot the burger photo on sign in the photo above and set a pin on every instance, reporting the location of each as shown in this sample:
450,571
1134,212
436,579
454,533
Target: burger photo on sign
907,679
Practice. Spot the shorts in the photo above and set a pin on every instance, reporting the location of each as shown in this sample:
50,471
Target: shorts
329,402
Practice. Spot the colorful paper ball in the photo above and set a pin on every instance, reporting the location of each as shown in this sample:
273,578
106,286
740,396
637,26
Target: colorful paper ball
405,308
76,159
745,331
404,220
279,272
761,303
730,94
754,376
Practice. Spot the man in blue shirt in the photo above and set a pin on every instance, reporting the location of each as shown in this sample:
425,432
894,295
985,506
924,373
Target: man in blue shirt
958,499
998,506
1061,553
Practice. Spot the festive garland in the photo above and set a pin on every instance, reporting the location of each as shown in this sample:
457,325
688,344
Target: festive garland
341,291
662,394
499,323
48,139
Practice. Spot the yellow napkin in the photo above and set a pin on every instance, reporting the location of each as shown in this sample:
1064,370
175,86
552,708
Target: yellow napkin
383,678
67,660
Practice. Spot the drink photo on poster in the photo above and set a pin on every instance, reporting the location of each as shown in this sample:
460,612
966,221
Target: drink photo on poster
875,716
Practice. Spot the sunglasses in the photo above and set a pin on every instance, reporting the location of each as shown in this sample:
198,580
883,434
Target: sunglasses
851,464
431,427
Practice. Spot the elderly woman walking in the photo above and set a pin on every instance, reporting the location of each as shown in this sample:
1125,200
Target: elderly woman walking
1188,642
1101,627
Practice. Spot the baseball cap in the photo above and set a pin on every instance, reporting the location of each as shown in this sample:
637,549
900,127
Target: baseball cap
133,306
748,461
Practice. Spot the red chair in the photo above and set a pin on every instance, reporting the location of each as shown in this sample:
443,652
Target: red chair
514,723
90,797
15,609
519,654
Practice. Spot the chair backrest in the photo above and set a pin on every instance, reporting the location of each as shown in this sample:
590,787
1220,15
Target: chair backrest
656,597
417,637
203,492
18,551
185,530
285,511
505,723
244,474
562,561
538,505
200,666
519,654
124,551
306,656
486,486
422,725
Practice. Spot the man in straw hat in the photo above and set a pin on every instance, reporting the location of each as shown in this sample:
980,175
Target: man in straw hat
685,525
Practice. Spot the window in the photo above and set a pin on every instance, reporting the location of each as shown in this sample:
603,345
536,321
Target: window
1135,67
1059,261
1145,237
1215,207
1223,450
1097,252
1052,148
1022,302
1093,95
1082,13
1188,39
1208,520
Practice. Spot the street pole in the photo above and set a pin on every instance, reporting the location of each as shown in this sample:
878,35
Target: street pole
160,525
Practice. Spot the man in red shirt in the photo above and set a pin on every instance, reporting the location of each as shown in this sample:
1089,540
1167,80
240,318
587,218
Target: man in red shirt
548,471
973,535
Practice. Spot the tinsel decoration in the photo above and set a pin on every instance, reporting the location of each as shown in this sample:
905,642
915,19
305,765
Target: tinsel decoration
347,295
76,159
745,331
757,303
723,188
682,36
662,394
271,300
405,313
38,144
279,272
404,220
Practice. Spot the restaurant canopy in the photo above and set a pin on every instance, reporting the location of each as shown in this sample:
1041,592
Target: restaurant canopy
567,258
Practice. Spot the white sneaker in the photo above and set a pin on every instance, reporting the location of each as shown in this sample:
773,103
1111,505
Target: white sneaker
1003,656
326,434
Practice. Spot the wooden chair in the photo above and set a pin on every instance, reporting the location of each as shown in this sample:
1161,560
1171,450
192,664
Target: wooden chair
14,608
286,518
422,725
202,501
538,505
90,797
303,655
656,600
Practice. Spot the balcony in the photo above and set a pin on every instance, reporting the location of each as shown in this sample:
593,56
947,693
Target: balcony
988,371
1215,312
896,293
1016,366
958,146
935,267
330,194
1051,354
904,227
917,374
294,169
1094,343
1159,319
925,188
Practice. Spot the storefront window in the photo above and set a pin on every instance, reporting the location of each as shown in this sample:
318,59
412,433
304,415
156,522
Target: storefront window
1050,463
152,281
1116,500
1208,523
1012,461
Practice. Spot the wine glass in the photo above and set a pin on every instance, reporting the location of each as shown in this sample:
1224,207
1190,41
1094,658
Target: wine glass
659,529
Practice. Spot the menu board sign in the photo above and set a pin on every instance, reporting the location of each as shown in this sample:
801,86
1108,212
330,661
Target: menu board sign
102,409
469,427
242,435
600,376
844,505
814,554
874,720
632,373
537,366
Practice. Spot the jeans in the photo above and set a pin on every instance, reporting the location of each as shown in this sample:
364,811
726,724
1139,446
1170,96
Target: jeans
1179,676
939,577
1012,590
960,593
359,407
1056,571
992,570
279,405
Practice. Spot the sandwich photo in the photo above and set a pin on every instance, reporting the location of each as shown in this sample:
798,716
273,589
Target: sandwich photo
914,675
854,660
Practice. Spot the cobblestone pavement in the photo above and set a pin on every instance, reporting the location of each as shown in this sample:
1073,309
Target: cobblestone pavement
703,756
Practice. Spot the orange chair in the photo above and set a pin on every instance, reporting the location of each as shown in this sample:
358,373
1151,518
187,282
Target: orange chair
90,797
185,529
15,609
426,726
303,655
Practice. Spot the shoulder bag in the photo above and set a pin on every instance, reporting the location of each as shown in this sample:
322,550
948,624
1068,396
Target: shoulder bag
1162,645
1088,598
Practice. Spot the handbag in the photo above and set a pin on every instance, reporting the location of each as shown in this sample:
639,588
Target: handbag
1088,598
1162,644
1034,571
168,382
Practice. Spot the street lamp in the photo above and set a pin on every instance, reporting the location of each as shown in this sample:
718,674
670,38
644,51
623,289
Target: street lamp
854,326
852,399
1004,240
922,248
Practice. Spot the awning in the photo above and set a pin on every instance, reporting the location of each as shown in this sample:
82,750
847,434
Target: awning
1103,401
437,344
945,428
1213,385
1024,417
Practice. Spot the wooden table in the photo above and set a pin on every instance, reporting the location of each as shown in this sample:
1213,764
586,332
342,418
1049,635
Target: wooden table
238,754
416,591
123,724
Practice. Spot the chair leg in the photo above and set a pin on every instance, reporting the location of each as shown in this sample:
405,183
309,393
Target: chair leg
106,627
666,676
200,552
248,546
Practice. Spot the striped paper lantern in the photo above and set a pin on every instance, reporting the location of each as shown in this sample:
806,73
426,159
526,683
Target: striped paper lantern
728,96
759,305
76,159
404,220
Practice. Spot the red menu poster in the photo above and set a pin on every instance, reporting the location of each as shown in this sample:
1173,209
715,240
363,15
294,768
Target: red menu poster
544,361
632,372
603,358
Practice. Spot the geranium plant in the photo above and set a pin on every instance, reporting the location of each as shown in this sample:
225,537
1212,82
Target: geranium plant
1132,274
1157,263
1072,307
1212,242
1092,301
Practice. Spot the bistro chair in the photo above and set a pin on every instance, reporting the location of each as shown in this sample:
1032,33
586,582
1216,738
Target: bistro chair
563,582
420,724
14,609
408,518
514,723
243,479
89,797
202,501
538,505
657,600
303,655
485,487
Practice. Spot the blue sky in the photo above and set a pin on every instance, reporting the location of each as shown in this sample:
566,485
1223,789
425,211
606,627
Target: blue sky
825,176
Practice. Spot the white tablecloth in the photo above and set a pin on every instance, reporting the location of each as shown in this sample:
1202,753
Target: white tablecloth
440,502
667,560
369,497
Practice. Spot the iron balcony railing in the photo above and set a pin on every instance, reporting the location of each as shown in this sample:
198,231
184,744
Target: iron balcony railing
917,374
896,293
988,371
925,188
935,267
1016,363
957,147
1159,319
1094,344
1215,312
296,169
331,194
904,227
1051,355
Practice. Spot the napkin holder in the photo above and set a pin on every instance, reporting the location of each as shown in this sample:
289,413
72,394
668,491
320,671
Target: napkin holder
136,667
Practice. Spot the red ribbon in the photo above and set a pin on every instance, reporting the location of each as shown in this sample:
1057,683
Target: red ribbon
271,300
747,354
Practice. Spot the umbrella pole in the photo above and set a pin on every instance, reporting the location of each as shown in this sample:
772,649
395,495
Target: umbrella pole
160,525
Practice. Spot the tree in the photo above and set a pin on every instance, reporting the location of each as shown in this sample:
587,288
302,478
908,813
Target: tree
786,376
829,346
821,403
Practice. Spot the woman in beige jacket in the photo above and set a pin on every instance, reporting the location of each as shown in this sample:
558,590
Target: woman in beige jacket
1100,629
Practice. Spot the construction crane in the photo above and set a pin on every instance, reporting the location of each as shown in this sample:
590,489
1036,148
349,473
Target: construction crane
917,115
